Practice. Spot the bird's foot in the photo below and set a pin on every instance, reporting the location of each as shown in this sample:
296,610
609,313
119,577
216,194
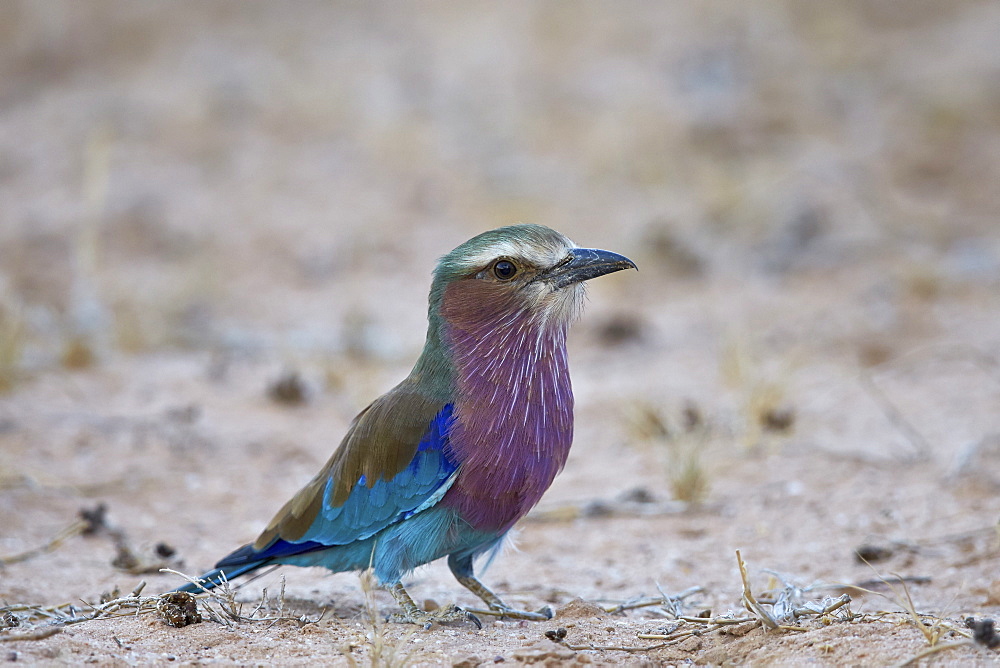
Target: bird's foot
411,614
448,613
503,612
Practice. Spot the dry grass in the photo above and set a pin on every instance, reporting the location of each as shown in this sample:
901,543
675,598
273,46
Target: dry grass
766,412
681,449
176,609
932,627
786,611
382,650
220,605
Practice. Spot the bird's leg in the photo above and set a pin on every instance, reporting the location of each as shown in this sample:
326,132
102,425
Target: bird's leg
461,568
413,615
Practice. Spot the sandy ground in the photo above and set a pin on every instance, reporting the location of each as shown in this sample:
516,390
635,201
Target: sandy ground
201,199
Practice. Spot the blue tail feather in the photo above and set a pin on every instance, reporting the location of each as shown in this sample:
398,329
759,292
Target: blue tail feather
247,559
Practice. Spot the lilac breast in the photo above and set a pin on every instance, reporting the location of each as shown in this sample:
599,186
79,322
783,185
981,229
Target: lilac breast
513,416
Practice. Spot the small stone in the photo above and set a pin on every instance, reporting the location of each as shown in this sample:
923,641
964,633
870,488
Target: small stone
984,632
780,420
620,329
289,389
164,551
872,553
126,559
558,635
96,519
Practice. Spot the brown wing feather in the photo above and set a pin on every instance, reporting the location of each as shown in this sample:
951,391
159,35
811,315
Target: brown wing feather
380,443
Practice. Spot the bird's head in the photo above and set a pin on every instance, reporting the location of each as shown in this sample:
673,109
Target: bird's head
527,271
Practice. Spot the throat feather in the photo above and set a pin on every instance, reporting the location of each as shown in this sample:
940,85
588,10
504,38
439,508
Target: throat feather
513,411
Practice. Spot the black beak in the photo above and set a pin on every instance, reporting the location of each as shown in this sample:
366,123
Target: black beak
583,264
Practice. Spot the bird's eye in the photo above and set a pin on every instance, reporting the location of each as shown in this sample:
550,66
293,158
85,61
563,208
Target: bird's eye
504,270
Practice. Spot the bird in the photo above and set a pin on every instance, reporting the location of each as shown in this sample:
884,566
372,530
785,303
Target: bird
445,463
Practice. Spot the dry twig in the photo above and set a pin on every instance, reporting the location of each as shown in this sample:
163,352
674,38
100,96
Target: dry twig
226,610
671,604
39,634
749,602
934,649
77,528
175,608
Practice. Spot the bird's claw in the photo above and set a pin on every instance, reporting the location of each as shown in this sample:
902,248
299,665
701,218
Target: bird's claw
546,611
449,613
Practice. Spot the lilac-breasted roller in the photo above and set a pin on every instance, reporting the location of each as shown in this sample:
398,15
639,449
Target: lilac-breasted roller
445,463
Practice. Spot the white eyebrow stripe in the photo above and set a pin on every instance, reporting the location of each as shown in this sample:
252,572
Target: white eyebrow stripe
513,248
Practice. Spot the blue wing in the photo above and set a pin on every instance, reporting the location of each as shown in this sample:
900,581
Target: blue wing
369,509
370,506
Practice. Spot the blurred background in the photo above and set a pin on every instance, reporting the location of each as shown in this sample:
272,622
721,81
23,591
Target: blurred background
218,222
252,175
